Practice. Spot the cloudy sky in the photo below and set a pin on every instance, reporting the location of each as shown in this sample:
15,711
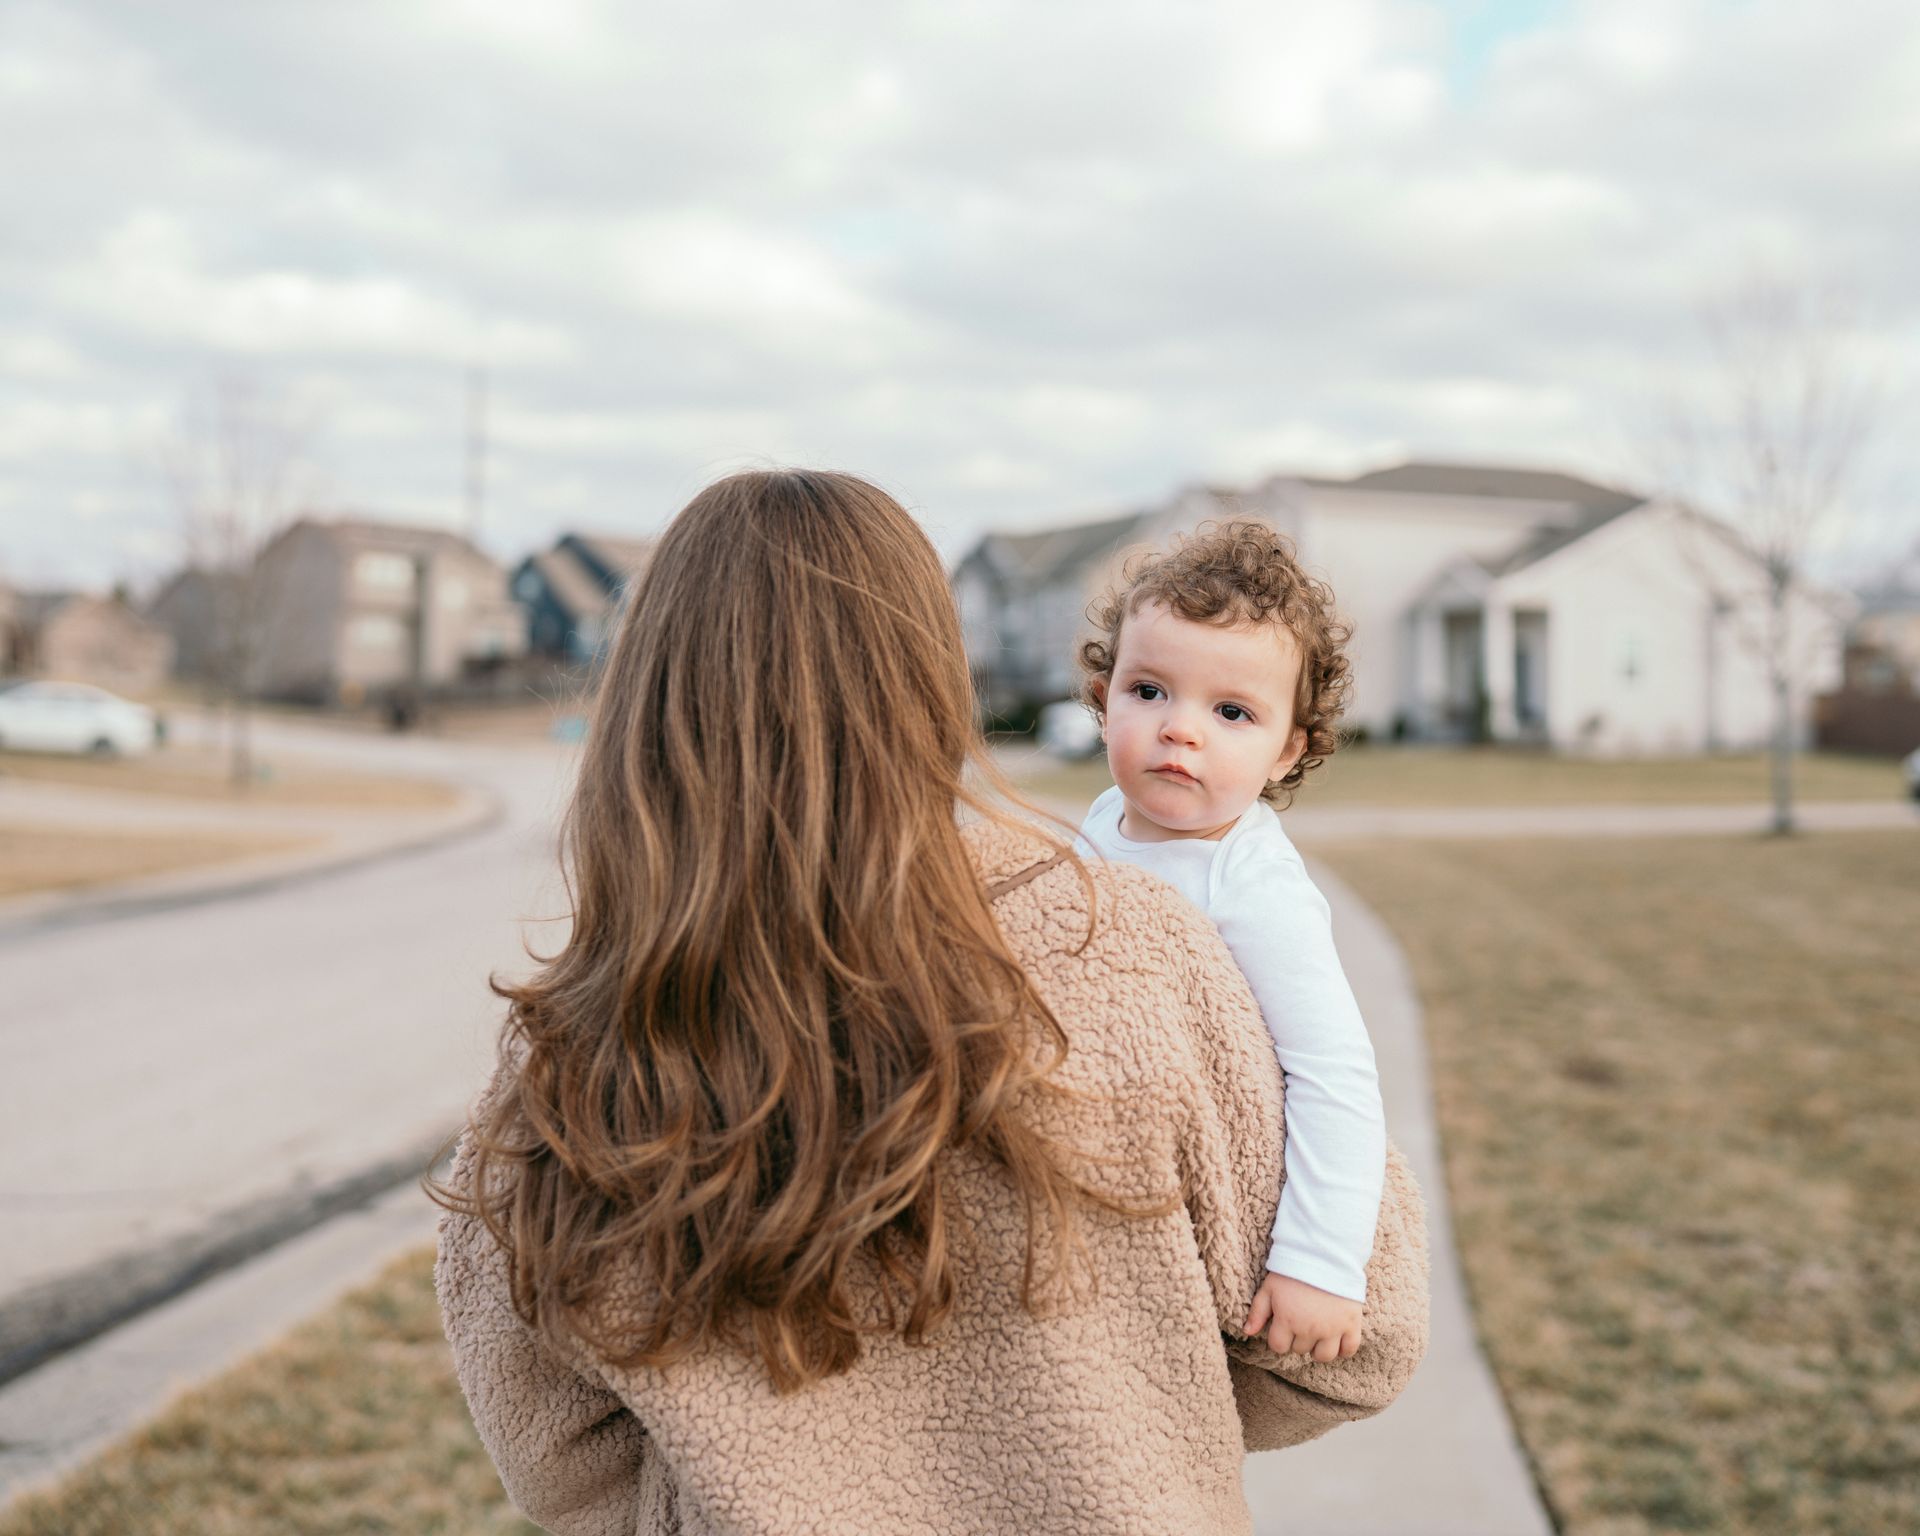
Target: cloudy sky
1020,263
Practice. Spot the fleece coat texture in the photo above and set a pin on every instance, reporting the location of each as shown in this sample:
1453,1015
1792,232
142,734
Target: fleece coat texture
1126,1411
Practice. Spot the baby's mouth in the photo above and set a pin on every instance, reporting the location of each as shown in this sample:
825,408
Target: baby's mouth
1173,771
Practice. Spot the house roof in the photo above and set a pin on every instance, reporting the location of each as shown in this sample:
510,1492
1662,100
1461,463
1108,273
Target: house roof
573,586
191,575
1546,541
415,537
1053,552
1050,553
615,552
1896,590
1428,478
32,609
1889,600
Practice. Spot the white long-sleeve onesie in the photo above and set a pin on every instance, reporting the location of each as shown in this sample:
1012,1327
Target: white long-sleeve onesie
1279,929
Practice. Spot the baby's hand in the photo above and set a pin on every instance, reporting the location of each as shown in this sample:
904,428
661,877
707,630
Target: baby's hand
1305,1319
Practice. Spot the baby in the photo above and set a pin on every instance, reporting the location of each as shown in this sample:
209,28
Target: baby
1217,676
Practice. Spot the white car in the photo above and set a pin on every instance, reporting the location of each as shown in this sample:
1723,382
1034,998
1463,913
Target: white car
73,717
1067,729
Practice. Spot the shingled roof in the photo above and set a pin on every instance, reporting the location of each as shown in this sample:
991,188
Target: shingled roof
576,589
1549,540
1052,551
1432,479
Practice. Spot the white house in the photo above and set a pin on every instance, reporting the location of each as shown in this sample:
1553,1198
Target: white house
1486,603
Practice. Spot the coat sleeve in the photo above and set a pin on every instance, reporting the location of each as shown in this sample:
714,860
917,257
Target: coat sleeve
1233,1171
571,1454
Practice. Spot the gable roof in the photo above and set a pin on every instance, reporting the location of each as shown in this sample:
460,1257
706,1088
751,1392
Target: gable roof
573,586
33,609
608,557
1053,552
1429,478
415,537
1550,540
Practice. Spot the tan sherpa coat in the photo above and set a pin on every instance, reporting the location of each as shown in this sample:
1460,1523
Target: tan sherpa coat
1124,1413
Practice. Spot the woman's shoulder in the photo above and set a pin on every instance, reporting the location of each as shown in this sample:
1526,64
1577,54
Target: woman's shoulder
1051,902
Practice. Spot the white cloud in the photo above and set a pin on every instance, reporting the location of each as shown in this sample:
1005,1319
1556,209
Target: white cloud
1016,261
41,358
150,278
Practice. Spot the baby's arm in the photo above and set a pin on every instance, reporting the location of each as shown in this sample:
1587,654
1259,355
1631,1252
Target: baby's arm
1280,931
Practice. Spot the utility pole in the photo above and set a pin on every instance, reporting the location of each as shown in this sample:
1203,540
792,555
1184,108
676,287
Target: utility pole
476,449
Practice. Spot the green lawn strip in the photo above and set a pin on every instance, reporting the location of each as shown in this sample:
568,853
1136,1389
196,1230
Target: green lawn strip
1481,777
353,1425
1676,1082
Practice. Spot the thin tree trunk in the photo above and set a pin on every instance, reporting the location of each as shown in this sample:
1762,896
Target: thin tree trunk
1782,717
243,748
239,740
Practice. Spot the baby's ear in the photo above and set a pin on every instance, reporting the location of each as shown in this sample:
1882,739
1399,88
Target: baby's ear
1295,750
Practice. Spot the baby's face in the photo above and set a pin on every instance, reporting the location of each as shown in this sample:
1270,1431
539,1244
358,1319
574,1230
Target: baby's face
1199,718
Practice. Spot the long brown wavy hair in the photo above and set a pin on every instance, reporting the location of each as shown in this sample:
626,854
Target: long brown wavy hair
784,996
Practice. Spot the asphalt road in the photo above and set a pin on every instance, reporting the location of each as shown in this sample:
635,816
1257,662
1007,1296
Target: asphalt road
180,1086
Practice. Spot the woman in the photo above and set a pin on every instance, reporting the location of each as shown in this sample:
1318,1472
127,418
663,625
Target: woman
850,1169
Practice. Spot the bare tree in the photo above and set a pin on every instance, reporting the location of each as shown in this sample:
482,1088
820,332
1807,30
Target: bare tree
1772,443
237,467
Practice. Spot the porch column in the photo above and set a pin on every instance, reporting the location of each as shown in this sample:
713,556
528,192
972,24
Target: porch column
1496,666
1426,684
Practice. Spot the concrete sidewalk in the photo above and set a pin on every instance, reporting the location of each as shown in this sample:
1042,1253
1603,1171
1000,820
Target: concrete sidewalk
1443,1460
1310,825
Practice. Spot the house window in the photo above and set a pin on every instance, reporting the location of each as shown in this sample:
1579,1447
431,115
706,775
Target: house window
380,570
453,595
1631,655
378,632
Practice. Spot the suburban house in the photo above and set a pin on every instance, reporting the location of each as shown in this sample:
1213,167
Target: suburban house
1877,705
1487,603
572,593
80,637
199,608
355,607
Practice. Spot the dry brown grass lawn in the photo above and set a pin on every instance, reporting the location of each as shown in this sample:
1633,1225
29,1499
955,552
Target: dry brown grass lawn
1676,1085
201,773
38,859
353,1425
1423,776
530,722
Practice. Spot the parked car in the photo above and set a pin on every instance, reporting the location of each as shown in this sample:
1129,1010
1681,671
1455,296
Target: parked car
1066,729
1912,766
73,717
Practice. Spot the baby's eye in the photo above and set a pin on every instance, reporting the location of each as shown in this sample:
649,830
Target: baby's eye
1146,692
1235,712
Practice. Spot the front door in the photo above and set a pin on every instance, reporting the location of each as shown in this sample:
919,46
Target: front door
1466,677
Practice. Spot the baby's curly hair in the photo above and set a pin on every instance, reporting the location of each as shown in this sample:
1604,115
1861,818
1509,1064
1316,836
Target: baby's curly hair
1239,572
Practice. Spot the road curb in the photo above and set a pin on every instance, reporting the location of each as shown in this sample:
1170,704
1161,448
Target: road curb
53,1316
75,1407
